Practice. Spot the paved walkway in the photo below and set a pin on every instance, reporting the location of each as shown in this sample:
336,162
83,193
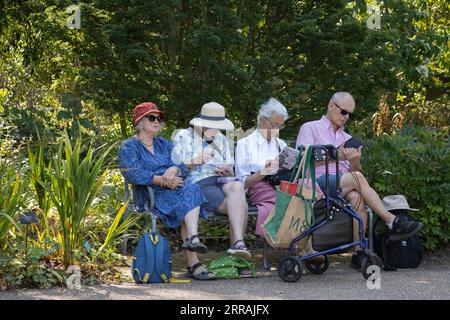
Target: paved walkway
430,281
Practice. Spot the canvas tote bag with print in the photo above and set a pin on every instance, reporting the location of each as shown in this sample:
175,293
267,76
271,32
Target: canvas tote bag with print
293,214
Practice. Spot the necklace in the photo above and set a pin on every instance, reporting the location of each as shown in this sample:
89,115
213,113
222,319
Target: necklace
147,145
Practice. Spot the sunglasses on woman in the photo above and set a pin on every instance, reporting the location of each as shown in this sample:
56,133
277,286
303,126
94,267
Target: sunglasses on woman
343,111
152,118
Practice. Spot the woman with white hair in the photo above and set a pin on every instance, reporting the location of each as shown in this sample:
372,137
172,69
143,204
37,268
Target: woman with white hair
256,158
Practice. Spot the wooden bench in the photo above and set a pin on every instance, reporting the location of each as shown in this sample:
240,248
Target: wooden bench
252,211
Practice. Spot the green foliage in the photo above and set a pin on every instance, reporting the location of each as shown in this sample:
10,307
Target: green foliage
415,162
40,176
430,113
11,196
75,182
182,54
29,271
116,229
235,52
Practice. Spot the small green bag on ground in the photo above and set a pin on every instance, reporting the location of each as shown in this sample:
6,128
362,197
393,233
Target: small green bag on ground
228,267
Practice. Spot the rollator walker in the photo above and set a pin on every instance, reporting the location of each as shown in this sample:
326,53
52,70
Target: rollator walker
332,233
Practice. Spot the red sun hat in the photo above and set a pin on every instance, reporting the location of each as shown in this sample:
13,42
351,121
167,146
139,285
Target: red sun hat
143,109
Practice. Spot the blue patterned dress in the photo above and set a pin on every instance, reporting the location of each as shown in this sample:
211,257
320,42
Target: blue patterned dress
139,165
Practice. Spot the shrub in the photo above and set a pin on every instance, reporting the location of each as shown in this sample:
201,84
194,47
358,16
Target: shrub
414,162
11,196
75,182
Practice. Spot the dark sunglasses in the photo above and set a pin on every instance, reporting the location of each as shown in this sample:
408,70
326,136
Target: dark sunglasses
152,118
343,111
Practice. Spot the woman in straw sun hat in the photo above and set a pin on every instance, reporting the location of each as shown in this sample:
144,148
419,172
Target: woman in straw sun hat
206,152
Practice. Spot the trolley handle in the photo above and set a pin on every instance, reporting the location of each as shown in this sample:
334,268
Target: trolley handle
323,152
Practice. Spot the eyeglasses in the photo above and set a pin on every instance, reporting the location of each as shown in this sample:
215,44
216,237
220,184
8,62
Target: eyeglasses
274,125
152,118
343,111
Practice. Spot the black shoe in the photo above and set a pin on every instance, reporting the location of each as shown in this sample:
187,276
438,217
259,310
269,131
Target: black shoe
403,228
357,258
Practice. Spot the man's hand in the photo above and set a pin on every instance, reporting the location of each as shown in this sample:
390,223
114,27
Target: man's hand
353,156
341,152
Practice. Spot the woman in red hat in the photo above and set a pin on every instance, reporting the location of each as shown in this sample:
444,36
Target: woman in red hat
145,159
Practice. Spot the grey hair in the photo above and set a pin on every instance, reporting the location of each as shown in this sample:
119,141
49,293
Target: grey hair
340,95
272,106
138,128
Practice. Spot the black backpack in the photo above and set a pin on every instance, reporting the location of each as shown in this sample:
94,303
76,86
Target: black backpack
405,253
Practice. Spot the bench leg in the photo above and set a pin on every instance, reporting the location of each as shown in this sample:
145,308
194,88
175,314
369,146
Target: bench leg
266,263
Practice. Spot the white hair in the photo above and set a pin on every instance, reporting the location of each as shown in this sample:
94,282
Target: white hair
272,106
340,95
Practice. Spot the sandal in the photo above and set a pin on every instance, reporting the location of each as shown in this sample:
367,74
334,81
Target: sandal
204,275
240,250
194,246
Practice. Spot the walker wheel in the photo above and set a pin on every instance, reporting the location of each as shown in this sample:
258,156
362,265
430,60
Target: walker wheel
290,269
317,267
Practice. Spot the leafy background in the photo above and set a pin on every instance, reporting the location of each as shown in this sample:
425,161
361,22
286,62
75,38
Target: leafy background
60,85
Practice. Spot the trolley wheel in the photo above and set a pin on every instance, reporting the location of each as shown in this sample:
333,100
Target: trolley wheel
367,262
290,269
317,267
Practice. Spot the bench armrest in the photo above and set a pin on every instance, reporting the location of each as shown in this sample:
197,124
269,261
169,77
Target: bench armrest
151,202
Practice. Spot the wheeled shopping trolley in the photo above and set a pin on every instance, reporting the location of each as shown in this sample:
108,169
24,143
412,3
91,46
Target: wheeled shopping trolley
332,232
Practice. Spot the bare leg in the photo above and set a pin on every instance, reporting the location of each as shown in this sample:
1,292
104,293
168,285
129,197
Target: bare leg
191,223
235,205
349,184
192,257
189,227
358,204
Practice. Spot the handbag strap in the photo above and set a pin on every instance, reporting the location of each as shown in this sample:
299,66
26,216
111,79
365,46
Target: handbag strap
297,168
308,170
306,166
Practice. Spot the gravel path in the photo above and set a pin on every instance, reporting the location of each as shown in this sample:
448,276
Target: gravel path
430,281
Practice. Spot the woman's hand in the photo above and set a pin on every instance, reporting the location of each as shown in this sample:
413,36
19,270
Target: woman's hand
225,171
171,183
202,158
170,178
271,167
171,172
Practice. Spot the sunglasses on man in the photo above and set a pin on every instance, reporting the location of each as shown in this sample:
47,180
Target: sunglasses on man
343,111
152,118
